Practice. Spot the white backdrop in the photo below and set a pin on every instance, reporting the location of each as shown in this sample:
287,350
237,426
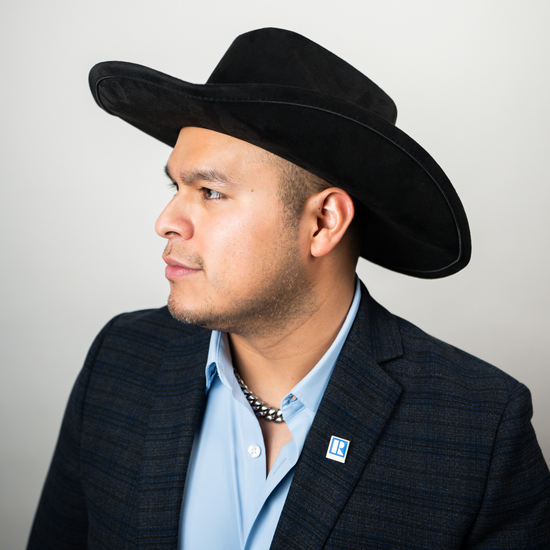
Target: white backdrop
81,190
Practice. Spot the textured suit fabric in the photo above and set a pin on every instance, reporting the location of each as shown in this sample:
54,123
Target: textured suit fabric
442,452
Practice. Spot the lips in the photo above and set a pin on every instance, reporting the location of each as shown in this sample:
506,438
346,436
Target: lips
177,270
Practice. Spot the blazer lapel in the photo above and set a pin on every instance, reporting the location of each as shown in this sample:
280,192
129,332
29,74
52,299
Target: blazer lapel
356,405
175,415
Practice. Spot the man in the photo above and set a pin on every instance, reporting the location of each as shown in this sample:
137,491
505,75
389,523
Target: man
274,404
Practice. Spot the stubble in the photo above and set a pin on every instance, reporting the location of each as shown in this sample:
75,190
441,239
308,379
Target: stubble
281,294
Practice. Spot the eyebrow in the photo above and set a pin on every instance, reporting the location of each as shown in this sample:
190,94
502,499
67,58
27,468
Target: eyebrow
207,174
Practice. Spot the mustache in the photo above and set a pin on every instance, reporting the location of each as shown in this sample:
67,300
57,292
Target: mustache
191,260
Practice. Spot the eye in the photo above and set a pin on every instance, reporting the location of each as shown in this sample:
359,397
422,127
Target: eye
210,194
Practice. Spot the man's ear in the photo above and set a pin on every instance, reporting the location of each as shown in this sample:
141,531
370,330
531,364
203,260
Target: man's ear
329,214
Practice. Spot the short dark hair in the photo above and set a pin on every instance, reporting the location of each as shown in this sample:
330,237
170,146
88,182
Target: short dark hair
296,185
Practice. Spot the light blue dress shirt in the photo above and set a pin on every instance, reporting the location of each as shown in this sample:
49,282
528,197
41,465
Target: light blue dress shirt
228,501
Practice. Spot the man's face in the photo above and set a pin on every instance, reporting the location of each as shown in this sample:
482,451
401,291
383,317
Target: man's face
234,258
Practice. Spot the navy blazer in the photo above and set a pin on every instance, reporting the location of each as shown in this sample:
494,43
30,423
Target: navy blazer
442,453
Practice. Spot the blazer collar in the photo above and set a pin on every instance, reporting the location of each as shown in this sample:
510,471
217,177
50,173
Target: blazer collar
357,403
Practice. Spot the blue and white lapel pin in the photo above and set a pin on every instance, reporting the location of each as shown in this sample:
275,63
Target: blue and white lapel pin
338,449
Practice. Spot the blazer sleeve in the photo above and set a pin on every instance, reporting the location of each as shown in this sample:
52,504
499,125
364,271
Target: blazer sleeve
515,512
61,518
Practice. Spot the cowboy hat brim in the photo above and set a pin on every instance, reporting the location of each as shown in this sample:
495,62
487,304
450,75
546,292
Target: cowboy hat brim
415,223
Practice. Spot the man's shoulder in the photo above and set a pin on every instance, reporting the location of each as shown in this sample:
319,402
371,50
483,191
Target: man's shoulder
417,360
447,368
142,338
133,350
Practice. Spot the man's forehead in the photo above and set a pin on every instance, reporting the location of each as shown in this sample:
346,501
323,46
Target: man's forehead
215,156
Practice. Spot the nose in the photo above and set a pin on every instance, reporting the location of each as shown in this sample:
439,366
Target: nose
175,221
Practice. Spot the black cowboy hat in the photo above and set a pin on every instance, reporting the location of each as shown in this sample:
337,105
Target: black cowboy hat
282,92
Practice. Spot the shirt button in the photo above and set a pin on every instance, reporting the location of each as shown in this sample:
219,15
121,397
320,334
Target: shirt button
254,451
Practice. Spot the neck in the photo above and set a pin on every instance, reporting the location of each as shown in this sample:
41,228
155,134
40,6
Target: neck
272,364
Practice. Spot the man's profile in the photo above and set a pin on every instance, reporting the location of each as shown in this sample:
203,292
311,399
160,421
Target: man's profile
273,403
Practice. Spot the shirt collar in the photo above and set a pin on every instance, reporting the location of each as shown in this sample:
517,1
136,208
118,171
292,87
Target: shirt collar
219,360
310,389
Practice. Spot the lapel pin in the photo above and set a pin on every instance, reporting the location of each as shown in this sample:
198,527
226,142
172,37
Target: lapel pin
338,449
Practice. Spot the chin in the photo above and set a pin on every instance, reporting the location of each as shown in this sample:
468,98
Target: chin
259,315
182,312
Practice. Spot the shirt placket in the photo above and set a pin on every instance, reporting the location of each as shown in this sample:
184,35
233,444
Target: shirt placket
286,460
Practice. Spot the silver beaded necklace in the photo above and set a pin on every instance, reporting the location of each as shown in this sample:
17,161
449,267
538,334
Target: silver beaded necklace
259,407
